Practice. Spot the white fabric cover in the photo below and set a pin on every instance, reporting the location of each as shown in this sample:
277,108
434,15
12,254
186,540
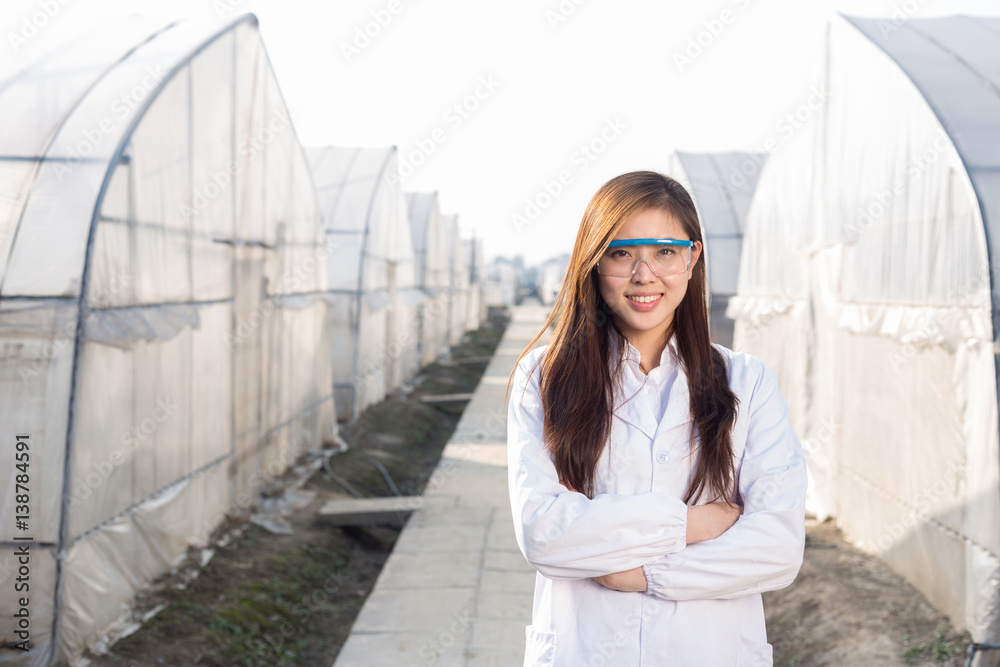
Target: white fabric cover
865,282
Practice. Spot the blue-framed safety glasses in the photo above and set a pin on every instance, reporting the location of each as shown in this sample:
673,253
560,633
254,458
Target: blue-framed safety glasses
665,257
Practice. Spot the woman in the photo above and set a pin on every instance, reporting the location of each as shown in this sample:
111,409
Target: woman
656,483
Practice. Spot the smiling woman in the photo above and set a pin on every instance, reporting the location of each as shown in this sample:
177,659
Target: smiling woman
656,483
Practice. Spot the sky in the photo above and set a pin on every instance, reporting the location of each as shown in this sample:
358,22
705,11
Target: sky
517,112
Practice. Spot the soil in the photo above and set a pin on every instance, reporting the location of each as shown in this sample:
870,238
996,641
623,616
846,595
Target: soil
269,599
273,599
849,608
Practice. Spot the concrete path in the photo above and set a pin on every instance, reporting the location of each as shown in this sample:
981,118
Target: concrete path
456,591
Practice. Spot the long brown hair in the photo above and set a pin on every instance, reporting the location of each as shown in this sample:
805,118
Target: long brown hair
577,382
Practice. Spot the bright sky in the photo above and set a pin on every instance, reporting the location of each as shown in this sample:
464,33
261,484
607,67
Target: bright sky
525,107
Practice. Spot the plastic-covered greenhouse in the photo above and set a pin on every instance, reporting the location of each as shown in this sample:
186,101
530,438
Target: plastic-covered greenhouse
373,314
161,311
549,278
869,282
476,311
459,281
431,250
501,282
722,186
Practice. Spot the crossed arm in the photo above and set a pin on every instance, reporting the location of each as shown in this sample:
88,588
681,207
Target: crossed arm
653,542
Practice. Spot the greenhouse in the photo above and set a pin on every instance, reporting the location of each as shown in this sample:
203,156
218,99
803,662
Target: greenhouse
868,283
374,301
432,255
476,312
501,282
163,308
459,281
722,186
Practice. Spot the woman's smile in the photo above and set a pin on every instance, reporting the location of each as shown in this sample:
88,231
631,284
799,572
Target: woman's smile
645,302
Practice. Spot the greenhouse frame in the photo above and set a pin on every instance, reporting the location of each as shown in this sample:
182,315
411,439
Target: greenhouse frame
459,281
162,308
432,253
374,307
477,308
722,186
869,282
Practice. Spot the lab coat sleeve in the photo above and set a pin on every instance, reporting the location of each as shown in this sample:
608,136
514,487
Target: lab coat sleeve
564,534
763,550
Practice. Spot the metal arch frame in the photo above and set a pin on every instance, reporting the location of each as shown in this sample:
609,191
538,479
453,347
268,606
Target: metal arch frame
83,310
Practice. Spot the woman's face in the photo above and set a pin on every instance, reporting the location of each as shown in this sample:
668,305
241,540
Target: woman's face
655,316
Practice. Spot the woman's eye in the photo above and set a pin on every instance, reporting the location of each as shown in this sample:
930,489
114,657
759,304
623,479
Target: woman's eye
667,251
617,254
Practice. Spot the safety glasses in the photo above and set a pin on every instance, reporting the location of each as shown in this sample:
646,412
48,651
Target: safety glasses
665,257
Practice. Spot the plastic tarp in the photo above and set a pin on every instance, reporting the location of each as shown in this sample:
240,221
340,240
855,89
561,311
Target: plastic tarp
476,311
160,239
431,248
722,186
373,322
501,283
458,281
549,278
865,281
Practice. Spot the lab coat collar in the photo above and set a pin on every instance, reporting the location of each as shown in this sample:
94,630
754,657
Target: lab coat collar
677,411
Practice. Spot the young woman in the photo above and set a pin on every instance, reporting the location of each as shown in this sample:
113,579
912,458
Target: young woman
656,483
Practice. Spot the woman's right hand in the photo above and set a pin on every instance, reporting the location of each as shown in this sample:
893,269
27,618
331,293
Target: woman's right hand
706,522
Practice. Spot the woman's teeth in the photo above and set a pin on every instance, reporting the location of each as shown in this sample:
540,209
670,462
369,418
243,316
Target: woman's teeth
645,299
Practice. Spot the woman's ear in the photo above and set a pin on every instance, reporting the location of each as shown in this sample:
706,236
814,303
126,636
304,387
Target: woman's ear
695,256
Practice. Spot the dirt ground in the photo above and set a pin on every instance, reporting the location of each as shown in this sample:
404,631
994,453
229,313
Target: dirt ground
273,599
847,608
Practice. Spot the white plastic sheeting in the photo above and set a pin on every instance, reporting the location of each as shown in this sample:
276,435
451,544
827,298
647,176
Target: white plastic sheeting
501,282
476,311
162,254
374,322
431,249
722,186
459,281
549,278
868,282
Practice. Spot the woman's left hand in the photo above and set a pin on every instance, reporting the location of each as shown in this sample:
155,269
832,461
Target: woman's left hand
633,580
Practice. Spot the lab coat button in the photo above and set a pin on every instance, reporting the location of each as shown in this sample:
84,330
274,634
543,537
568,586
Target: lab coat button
662,456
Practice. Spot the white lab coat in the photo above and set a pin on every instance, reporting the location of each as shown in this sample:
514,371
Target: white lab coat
702,606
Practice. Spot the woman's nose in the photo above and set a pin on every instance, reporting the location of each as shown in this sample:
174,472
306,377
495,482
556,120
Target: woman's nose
643,273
